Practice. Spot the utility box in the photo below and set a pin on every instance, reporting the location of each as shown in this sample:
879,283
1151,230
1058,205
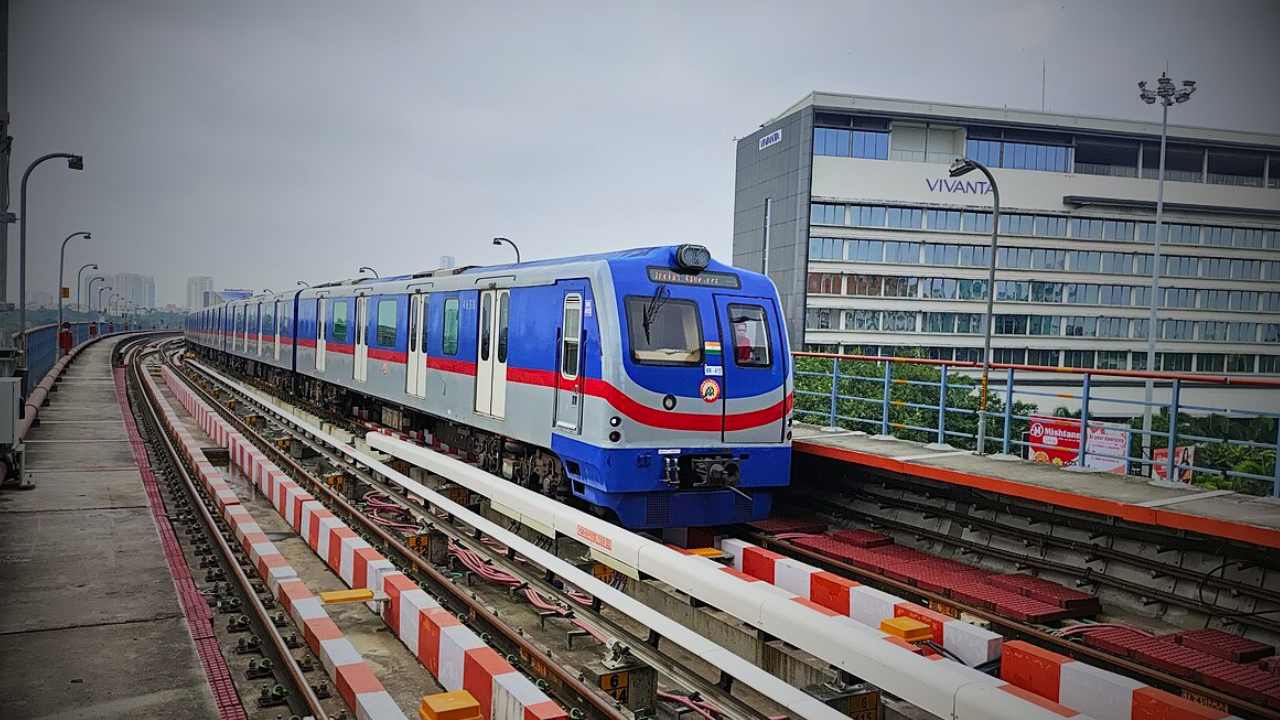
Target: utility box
10,407
633,685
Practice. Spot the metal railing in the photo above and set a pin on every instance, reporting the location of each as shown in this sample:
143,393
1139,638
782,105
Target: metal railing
41,343
936,401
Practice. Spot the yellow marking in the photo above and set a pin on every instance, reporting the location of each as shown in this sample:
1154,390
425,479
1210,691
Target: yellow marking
898,402
456,705
334,597
900,381
1064,395
707,552
900,426
908,629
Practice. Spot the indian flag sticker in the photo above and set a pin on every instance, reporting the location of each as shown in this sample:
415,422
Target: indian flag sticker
711,347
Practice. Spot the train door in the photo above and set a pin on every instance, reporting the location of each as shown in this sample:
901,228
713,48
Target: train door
416,368
257,331
361,353
568,410
275,340
322,307
752,369
484,354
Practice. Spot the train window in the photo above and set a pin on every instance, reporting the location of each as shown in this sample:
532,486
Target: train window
386,323
503,309
339,321
486,306
451,326
572,337
664,331
268,322
750,335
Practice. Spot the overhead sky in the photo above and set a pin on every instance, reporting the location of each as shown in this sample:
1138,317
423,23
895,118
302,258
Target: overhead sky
268,142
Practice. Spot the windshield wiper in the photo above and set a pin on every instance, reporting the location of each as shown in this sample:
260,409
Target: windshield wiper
660,296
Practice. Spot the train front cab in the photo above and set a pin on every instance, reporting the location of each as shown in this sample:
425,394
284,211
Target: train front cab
696,414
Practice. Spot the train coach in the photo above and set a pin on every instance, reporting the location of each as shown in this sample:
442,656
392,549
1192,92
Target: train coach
652,385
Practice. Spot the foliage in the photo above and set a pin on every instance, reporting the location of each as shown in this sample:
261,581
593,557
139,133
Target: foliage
913,402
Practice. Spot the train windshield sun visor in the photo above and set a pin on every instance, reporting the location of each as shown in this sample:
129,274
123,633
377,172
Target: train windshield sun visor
668,334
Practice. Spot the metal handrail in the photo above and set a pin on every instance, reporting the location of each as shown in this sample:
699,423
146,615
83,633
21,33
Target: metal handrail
822,401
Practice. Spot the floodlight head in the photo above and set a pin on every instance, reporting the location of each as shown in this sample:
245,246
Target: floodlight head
961,166
76,162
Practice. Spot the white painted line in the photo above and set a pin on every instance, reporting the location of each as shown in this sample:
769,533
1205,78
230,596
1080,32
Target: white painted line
930,456
1185,498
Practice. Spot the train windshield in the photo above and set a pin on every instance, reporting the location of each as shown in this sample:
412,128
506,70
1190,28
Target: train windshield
664,331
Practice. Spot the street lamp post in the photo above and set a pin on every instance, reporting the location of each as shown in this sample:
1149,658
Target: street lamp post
303,283
74,162
79,273
88,290
1166,94
364,268
501,240
62,261
960,167
104,287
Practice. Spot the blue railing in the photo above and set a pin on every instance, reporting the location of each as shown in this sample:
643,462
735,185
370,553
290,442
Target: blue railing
42,348
938,402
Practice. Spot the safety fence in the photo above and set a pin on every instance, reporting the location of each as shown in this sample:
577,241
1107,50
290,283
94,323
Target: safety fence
1192,435
42,347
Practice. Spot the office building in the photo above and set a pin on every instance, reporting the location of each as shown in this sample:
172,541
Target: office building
199,289
137,289
846,203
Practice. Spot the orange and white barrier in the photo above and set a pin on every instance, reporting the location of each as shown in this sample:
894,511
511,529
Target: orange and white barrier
1102,694
972,644
449,650
351,675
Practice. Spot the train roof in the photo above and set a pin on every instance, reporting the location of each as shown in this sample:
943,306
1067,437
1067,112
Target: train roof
468,275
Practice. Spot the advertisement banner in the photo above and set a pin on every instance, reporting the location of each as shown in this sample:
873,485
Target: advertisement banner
1182,455
1056,440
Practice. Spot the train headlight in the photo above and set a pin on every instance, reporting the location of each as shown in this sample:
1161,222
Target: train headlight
615,436
692,258
615,421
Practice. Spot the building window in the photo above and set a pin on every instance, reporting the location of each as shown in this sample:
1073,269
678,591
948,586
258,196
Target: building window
1183,266
946,220
862,320
902,253
1183,163
1174,362
865,250
826,214
866,215
871,145
970,355
975,222
972,289
1240,363
1217,267
1078,358
831,142
1177,329
1050,325
1271,333
904,287
1046,292
1269,364
909,218
968,324
1213,331
1010,325
1013,290
939,288
821,248
1051,226
975,256
939,322
1243,332
1209,362
824,283
942,255
1230,167
1113,360
1014,224
1179,298
899,321
1009,356
1087,228
818,318
863,285
1017,155
1106,157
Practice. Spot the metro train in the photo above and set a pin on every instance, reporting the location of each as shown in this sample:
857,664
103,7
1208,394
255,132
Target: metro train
653,385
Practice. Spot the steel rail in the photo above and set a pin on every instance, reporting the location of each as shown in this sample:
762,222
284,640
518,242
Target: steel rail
1256,592
641,647
296,675
1020,629
604,705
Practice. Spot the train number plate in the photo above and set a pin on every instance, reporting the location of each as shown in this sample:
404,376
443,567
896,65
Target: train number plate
616,684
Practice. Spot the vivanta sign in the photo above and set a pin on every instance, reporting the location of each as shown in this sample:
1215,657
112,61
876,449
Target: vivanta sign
962,187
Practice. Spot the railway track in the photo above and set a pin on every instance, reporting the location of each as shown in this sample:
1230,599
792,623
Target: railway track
1011,629
282,677
680,677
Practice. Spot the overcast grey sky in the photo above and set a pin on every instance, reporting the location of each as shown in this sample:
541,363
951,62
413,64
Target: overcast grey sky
266,142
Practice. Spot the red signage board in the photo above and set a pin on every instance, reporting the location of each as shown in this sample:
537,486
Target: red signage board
1056,440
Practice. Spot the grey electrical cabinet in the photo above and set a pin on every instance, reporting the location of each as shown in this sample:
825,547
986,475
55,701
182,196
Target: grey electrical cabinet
10,404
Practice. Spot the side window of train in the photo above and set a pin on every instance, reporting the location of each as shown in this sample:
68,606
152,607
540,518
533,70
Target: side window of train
572,337
386,336
339,320
750,335
503,309
450,330
485,325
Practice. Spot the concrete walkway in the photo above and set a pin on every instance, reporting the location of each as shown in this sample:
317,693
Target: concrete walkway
90,625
